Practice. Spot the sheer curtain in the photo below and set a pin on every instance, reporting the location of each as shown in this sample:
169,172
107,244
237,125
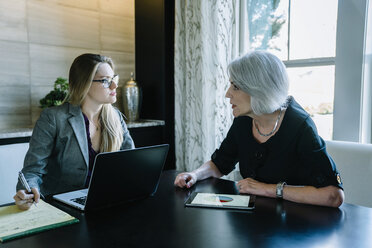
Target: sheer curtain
205,42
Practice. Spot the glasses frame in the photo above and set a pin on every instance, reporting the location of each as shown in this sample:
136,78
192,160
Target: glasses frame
106,83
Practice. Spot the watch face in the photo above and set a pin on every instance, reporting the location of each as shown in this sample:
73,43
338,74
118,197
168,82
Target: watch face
279,189
277,193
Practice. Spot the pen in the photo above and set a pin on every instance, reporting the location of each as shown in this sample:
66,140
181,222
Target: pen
25,184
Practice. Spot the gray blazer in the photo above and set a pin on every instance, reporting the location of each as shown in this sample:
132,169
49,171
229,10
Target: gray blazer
58,158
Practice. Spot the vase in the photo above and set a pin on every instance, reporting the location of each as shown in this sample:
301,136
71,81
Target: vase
132,97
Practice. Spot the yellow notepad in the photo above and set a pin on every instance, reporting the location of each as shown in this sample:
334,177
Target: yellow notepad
15,223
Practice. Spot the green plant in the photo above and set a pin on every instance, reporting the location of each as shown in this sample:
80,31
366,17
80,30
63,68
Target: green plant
57,95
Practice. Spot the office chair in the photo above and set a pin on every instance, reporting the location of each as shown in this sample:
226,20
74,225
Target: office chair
354,162
11,161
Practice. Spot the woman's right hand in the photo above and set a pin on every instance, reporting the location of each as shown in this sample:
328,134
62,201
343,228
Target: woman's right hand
185,179
24,200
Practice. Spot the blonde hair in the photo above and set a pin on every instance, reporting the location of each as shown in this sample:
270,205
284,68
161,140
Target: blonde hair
82,72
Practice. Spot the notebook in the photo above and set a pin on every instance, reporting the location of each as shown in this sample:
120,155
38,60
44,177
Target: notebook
224,201
119,177
16,223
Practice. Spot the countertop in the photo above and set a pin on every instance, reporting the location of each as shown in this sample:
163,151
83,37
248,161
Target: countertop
27,131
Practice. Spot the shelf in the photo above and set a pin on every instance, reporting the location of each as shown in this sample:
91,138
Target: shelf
15,133
27,132
145,123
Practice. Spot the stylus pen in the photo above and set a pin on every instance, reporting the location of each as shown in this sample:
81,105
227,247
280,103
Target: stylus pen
25,184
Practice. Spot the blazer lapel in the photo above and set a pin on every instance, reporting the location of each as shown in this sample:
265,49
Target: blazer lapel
77,123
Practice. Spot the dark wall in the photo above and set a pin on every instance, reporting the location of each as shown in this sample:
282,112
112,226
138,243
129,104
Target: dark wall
154,32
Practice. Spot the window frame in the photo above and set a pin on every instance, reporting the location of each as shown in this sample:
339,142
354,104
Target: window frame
350,108
353,70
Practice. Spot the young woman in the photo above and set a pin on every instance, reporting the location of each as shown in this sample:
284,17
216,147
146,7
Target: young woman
66,138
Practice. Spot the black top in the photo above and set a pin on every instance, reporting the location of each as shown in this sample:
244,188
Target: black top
296,154
92,152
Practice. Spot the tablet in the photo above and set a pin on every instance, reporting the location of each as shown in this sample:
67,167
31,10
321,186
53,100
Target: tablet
212,200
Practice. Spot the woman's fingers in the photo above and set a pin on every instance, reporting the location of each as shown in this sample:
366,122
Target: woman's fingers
190,181
23,204
247,185
23,200
23,195
178,181
36,193
184,180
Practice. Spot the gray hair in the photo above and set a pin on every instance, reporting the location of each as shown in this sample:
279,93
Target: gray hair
263,76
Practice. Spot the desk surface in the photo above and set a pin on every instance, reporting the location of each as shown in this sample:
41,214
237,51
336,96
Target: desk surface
163,221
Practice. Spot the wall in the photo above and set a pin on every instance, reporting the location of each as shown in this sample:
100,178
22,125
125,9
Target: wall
154,26
39,40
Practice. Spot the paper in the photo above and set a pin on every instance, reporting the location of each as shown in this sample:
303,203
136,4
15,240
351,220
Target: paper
15,222
221,200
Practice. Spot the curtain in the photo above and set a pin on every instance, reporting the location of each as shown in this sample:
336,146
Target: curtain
205,42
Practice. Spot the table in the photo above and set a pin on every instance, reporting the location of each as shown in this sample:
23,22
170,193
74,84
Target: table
163,221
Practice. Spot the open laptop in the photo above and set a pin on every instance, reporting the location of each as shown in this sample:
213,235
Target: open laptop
119,177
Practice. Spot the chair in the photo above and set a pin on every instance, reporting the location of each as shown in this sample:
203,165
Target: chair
11,162
354,162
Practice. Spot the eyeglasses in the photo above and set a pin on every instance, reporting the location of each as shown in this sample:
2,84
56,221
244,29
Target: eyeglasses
106,83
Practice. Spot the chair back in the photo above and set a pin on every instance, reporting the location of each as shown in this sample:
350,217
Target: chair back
354,162
11,162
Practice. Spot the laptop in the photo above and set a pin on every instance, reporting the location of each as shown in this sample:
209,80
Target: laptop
119,177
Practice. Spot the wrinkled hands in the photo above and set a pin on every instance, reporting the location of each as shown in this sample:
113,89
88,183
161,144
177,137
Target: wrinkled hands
24,200
251,186
185,179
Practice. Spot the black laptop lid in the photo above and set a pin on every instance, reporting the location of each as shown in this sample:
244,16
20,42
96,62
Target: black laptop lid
125,175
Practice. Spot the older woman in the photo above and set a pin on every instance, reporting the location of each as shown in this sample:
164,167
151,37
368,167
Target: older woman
273,138
67,138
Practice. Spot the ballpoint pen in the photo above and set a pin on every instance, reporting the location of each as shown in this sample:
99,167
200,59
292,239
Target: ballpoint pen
25,184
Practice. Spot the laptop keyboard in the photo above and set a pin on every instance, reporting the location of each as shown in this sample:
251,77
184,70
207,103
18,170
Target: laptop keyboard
80,200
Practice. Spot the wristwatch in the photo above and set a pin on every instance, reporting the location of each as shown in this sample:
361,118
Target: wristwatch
279,189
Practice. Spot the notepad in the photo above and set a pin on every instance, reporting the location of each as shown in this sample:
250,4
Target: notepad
228,201
15,223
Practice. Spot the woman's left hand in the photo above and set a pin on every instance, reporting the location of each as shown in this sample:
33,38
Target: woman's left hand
251,186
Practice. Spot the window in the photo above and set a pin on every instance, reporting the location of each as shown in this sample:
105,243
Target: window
303,34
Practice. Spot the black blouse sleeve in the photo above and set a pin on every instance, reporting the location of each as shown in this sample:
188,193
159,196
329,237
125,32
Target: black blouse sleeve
226,157
317,167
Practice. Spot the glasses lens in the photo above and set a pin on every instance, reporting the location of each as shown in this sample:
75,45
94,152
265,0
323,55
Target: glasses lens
106,83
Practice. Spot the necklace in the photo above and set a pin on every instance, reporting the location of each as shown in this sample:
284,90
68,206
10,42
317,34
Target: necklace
93,124
275,126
